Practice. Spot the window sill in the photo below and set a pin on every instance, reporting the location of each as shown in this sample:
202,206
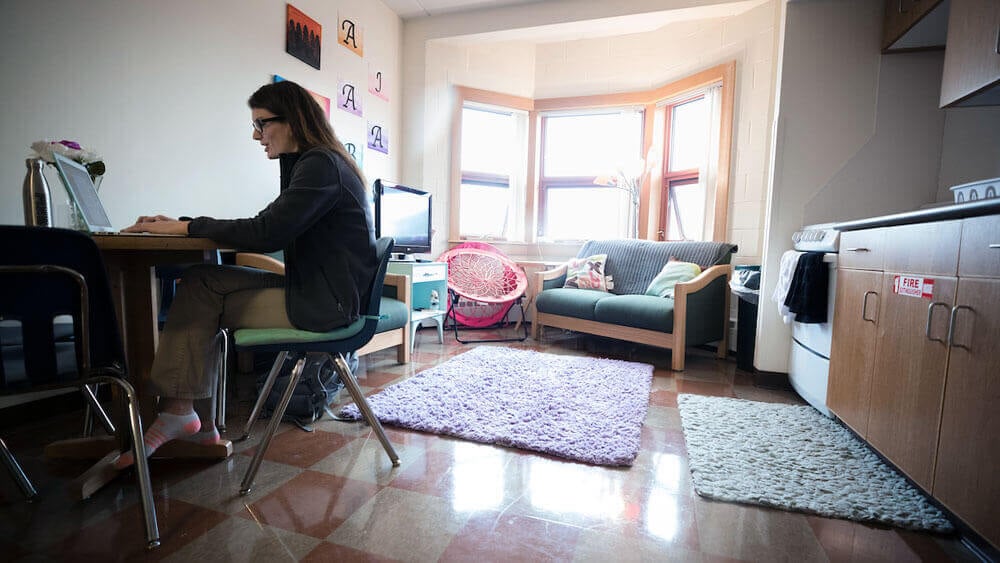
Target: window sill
547,252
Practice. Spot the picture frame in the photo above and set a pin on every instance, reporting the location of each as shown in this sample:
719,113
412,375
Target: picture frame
303,37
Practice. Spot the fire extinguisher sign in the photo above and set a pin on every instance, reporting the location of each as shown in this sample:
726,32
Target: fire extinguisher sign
912,286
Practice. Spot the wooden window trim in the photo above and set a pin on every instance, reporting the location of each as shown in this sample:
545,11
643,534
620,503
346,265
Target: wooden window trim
724,74
462,95
484,178
671,179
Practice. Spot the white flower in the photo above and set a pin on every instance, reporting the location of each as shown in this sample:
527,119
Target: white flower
44,149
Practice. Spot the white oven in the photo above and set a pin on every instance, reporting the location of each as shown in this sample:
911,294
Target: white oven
809,362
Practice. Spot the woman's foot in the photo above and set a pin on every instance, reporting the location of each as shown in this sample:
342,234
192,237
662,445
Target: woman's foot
166,427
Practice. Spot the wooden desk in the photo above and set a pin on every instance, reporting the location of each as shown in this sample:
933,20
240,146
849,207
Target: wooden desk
130,261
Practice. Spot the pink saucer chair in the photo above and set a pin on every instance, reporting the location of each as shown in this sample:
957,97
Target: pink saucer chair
483,286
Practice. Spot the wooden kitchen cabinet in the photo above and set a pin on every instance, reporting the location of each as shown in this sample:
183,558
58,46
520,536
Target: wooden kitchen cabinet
914,24
852,352
972,57
909,376
969,445
918,376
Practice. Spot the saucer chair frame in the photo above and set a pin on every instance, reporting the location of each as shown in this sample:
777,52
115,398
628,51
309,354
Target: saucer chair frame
480,274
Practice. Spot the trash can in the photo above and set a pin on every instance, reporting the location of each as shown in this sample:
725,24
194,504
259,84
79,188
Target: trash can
745,284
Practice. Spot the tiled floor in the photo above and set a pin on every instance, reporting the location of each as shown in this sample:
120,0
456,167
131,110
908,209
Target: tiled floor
332,495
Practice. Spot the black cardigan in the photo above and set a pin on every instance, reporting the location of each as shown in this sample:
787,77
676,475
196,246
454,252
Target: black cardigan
322,220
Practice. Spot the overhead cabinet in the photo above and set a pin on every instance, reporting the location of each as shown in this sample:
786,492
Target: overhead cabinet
972,56
914,24
914,360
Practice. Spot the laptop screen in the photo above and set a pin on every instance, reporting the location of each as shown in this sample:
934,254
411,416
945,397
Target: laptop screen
81,189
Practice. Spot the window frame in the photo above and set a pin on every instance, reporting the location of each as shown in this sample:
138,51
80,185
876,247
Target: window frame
544,183
498,100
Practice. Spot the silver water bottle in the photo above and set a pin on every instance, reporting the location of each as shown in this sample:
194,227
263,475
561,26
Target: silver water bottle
37,200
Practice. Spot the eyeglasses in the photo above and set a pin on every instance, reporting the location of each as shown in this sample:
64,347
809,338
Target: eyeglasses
258,124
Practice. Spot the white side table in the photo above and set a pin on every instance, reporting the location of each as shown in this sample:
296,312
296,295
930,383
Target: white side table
428,292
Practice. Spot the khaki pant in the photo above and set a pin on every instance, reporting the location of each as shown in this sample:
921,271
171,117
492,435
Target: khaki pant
211,297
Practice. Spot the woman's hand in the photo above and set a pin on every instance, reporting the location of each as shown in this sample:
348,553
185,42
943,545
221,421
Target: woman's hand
158,224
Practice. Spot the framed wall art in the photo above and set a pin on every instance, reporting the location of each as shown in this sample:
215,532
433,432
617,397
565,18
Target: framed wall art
303,36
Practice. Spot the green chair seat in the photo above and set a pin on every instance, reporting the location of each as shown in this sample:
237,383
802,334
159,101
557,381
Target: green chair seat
261,336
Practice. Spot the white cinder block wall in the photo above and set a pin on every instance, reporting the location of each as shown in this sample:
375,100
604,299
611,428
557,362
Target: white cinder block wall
160,90
616,64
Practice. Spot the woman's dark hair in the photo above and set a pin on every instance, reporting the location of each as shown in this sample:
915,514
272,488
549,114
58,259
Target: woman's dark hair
310,127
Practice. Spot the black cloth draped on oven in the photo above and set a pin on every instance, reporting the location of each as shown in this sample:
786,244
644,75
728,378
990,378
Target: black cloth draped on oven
808,292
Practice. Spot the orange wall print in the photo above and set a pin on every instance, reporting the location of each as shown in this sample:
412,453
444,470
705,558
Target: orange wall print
303,36
351,35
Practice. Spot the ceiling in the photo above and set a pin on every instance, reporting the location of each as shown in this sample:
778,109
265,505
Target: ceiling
418,8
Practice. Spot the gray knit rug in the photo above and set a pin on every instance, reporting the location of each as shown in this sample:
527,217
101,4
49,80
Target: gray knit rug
793,458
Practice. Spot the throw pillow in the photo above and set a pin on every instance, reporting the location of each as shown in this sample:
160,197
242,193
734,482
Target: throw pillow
673,272
588,273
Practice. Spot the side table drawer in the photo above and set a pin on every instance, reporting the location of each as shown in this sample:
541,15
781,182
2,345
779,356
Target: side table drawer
429,272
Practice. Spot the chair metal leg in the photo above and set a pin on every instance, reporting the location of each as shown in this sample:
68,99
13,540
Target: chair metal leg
14,468
366,411
141,462
262,397
504,321
220,393
272,425
94,406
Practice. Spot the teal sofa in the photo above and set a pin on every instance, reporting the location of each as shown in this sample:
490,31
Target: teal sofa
698,313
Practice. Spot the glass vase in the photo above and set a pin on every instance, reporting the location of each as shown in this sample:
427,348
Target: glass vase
75,220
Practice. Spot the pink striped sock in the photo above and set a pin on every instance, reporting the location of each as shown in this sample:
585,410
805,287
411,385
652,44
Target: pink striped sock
166,427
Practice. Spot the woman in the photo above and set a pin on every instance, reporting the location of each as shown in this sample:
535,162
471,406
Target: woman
321,219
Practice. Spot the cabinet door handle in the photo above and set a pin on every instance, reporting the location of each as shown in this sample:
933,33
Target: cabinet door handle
864,306
995,246
900,7
930,313
951,325
858,249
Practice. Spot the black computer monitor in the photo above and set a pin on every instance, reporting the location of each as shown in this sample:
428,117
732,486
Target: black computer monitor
403,213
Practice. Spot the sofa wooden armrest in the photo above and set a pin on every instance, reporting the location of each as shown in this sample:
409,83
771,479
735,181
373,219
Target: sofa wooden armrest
399,337
540,279
550,274
681,292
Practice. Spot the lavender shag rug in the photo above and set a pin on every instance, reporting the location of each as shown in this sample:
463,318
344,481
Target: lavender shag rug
584,409
793,458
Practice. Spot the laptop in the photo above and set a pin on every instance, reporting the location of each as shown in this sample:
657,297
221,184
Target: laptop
81,189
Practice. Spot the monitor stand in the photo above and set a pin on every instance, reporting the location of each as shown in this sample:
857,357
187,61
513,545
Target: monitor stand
402,257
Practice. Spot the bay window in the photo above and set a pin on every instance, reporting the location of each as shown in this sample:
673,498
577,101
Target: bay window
652,164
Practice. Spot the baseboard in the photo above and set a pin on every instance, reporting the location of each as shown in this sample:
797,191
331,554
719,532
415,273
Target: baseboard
971,539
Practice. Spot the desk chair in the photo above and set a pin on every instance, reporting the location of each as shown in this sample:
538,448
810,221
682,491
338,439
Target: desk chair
335,343
48,273
391,331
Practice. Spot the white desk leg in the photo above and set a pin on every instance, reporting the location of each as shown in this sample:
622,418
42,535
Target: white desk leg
440,326
413,334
